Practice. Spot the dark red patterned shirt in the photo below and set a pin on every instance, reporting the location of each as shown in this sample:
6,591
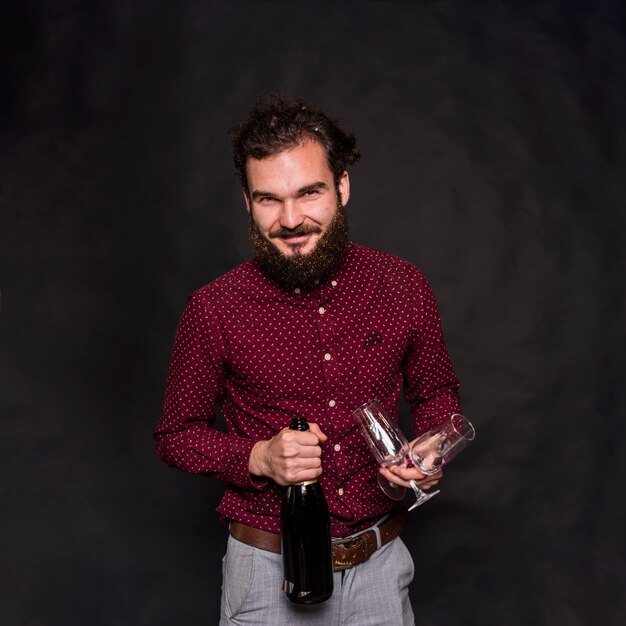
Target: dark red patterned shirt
265,356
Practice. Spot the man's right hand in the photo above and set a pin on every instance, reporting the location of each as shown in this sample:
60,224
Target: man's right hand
292,456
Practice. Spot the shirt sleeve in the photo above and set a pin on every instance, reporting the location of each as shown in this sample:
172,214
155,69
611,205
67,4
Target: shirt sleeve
431,386
185,436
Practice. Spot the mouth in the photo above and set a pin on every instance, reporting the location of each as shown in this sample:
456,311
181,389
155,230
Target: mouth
296,240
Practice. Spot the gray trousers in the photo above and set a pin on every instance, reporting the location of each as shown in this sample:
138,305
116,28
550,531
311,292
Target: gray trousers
373,593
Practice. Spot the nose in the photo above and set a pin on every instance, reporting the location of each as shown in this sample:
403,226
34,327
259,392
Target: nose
290,216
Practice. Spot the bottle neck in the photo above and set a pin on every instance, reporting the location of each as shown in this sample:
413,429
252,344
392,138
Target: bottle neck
298,423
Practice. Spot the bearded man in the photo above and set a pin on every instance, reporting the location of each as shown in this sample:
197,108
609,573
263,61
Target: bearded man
313,326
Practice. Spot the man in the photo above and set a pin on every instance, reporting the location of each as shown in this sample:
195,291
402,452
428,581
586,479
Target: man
313,326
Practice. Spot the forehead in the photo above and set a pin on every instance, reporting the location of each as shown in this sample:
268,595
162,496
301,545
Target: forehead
290,169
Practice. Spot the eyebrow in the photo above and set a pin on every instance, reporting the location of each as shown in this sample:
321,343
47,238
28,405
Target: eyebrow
257,194
312,187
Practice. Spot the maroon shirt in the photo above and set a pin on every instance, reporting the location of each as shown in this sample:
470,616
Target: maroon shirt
266,355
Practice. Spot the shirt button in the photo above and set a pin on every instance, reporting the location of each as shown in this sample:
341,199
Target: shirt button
331,403
327,356
336,447
296,290
340,491
334,283
322,310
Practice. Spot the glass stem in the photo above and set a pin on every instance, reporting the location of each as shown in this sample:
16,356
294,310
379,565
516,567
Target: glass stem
420,496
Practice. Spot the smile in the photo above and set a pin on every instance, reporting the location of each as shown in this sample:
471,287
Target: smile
296,239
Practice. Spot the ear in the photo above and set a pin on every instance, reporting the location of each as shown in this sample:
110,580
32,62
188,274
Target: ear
344,188
246,198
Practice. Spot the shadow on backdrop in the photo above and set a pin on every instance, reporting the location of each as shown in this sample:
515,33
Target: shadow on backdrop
493,138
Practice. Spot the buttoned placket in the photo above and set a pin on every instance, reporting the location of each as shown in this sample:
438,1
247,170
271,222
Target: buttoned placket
319,302
325,325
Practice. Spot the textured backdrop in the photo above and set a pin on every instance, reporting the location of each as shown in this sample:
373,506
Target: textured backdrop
494,139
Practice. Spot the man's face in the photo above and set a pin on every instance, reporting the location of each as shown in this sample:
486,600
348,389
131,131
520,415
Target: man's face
292,197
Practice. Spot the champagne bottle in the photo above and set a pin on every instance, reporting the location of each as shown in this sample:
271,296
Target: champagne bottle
305,536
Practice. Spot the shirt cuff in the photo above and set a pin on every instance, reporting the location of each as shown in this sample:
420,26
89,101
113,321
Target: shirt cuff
236,467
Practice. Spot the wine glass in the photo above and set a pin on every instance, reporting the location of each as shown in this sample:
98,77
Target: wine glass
438,446
389,447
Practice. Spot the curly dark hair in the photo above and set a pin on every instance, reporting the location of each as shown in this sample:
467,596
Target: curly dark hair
275,124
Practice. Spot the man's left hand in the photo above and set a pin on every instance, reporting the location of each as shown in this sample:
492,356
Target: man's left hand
402,475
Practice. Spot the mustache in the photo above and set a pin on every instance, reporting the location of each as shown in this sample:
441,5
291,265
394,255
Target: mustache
294,232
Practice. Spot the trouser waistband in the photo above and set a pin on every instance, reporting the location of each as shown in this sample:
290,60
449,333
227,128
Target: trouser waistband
347,551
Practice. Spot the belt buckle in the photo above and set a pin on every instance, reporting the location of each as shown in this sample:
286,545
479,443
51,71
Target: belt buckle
353,543
346,546
350,543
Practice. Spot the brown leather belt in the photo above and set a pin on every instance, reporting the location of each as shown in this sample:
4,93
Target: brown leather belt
347,552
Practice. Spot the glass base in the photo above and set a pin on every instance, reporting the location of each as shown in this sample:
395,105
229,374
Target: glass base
391,490
420,496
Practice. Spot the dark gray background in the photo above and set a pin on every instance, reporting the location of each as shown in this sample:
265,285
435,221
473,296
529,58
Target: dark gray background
493,141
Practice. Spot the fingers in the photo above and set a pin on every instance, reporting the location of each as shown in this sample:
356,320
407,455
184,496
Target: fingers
426,484
289,443
302,455
403,476
413,473
294,456
297,469
300,470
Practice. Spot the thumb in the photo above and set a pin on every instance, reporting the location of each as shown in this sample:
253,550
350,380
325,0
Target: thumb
315,429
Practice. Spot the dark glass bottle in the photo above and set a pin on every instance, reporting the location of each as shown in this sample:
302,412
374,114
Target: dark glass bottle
305,535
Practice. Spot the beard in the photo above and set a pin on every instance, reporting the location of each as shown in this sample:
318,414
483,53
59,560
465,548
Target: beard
303,271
